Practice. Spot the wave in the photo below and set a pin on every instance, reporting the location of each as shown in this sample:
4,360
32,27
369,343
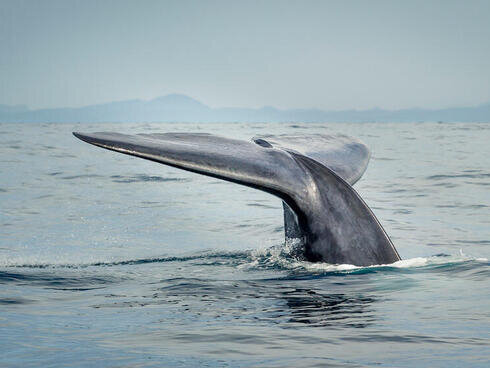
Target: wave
473,175
60,263
141,178
286,257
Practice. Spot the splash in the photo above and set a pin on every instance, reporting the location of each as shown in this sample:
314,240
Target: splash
285,257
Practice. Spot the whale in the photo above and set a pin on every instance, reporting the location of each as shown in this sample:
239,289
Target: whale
313,175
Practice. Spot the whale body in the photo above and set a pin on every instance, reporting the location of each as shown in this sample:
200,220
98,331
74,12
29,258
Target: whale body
312,174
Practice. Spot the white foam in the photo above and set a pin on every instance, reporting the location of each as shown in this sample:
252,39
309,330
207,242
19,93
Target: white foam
283,257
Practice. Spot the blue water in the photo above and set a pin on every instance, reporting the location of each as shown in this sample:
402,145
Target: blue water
112,261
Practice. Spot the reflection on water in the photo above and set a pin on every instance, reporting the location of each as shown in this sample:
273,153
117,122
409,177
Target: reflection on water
333,310
258,301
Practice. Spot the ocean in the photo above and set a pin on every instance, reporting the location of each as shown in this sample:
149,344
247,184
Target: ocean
108,260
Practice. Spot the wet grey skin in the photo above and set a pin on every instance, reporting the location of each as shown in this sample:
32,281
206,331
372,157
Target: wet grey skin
313,175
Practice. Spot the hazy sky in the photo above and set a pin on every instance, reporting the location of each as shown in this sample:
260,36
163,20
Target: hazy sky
325,54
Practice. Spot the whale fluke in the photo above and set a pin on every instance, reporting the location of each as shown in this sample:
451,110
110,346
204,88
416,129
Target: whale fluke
313,175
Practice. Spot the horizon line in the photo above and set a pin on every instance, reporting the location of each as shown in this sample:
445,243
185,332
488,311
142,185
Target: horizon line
28,108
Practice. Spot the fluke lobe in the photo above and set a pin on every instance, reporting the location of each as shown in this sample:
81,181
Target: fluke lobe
312,174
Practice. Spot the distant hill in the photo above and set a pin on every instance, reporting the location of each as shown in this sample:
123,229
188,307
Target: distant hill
181,108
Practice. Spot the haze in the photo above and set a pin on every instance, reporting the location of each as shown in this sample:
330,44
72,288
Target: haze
329,55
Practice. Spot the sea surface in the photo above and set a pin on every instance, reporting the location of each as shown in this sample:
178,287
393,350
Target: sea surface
108,260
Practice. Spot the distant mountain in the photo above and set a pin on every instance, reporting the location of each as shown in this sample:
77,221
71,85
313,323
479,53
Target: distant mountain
181,108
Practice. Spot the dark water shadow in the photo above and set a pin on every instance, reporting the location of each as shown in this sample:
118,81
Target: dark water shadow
51,280
308,307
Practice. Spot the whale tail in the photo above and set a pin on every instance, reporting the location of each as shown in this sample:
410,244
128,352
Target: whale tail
313,175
